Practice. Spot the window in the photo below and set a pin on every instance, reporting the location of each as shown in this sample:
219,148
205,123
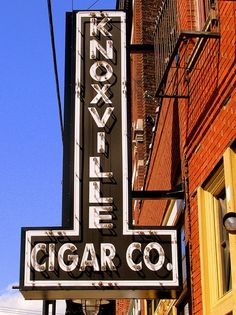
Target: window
175,216
149,307
215,198
184,310
183,256
224,242
206,11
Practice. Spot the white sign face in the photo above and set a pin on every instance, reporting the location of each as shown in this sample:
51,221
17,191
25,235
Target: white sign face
102,255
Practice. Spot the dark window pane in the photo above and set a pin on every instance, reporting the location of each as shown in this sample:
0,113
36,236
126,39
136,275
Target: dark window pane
224,239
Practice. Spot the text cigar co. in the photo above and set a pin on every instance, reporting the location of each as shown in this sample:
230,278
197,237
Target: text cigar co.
102,246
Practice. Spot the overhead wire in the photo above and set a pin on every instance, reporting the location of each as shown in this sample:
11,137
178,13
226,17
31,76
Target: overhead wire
50,17
19,311
55,67
11,310
93,4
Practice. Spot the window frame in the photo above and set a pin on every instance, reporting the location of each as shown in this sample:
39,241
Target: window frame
205,13
175,216
215,300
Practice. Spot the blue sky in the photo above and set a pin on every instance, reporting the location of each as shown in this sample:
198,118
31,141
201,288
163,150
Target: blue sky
30,138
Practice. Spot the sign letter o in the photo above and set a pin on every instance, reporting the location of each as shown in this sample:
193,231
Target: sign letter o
146,256
132,247
106,68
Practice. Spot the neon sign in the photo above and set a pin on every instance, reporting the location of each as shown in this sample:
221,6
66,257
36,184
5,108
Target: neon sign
102,254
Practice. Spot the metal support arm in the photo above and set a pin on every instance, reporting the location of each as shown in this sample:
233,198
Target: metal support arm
157,194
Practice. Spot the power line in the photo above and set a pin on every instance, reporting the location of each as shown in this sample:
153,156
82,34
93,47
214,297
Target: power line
55,67
93,4
10,310
15,311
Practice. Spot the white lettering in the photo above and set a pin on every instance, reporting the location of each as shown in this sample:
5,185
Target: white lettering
161,256
95,47
108,253
146,256
73,258
101,143
105,69
96,27
101,93
101,123
95,169
96,216
86,262
51,258
34,257
43,256
94,194
129,256
100,217
46,253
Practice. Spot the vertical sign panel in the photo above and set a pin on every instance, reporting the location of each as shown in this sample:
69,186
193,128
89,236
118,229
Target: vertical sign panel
101,255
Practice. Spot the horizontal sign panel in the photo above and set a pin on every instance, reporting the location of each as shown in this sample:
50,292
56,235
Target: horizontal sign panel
101,255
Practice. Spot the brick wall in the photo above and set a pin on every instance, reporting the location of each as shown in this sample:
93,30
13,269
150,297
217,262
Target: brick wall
192,133
164,168
143,70
143,103
208,124
122,307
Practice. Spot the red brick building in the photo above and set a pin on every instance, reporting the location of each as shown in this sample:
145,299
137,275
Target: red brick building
183,101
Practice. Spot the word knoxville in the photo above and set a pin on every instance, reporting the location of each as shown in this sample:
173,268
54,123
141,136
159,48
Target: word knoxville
101,72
